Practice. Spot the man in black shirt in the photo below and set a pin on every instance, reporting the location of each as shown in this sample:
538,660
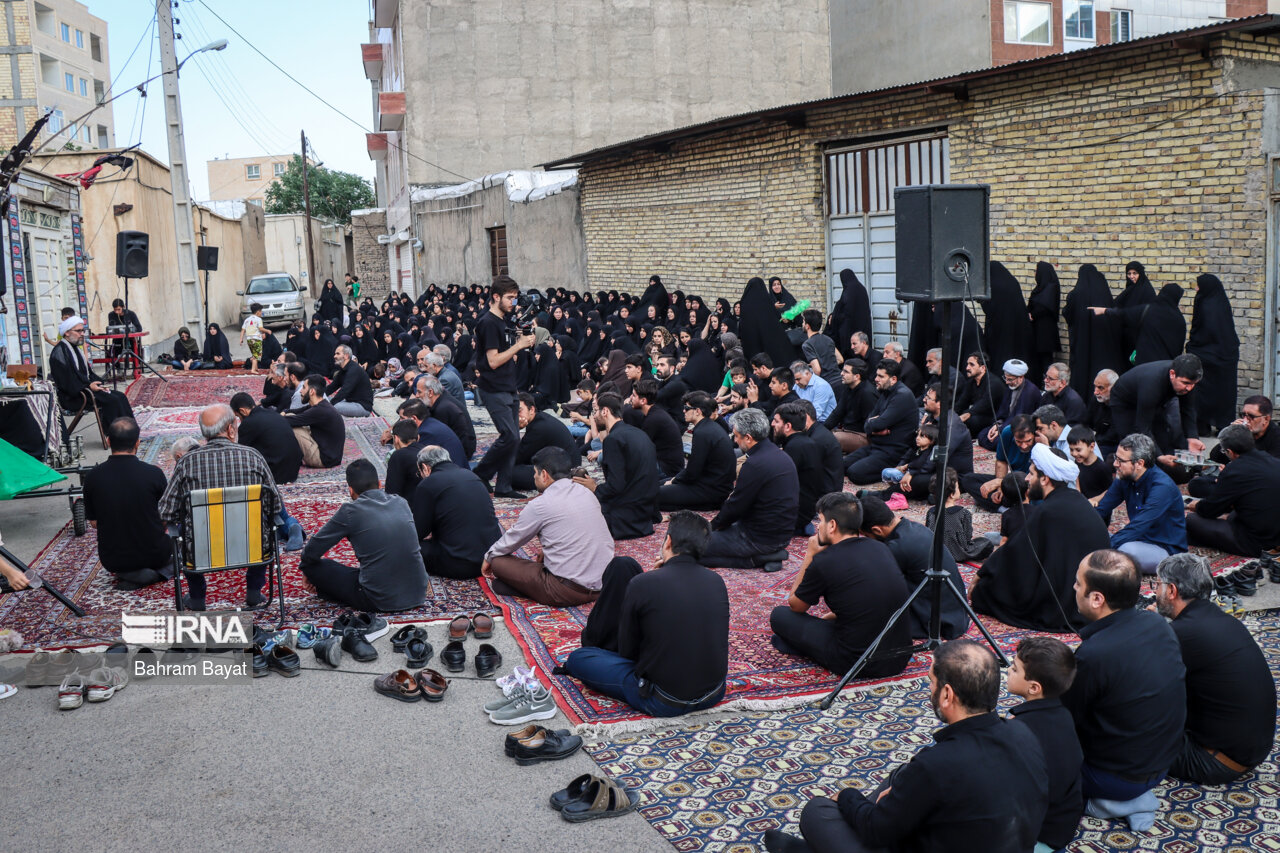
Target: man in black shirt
707,480
541,429
657,424
454,516
889,428
860,347
1231,695
908,373
402,464
1098,412
979,397
121,498
629,494
781,391
1129,698
673,636
981,786
1245,493
759,516
317,426
789,434
860,583
350,392
829,450
268,433
1256,415
496,379
448,411
1140,403
1058,392
671,387
856,400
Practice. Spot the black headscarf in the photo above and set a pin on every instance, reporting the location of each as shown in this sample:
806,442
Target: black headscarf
1044,305
1139,292
271,349
366,349
463,352
569,363
216,345
593,344
759,327
656,295
1095,340
851,314
1008,329
783,296
1213,338
548,377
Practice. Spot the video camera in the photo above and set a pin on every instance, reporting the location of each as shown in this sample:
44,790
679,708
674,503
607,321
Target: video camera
527,307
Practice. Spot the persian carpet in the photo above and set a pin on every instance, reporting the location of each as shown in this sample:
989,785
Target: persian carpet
718,786
199,388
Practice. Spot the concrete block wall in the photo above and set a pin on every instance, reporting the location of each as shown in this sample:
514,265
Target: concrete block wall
370,258
1132,155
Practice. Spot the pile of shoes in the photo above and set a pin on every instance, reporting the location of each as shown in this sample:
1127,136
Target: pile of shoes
357,632
525,699
454,655
79,676
1242,582
274,653
534,744
592,797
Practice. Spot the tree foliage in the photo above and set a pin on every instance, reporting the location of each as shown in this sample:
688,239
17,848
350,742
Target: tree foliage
334,194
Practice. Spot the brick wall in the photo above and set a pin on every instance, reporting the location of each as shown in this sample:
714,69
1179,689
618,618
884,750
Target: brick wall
10,131
369,256
1133,155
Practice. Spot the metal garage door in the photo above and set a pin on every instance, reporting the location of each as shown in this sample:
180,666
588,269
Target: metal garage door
860,224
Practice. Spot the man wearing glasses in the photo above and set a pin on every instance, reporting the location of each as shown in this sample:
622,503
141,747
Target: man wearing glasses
1245,494
1256,415
1157,525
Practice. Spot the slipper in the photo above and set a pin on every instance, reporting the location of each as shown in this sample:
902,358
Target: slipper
398,685
482,625
459,627
7,690
572,792
602,798
401,638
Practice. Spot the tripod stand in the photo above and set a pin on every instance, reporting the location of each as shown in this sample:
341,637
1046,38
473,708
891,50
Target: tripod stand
936,580
128,356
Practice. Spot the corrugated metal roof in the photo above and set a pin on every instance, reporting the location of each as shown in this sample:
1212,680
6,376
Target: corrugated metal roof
1252,24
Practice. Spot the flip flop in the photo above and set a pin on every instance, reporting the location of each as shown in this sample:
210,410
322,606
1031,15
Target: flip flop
602,798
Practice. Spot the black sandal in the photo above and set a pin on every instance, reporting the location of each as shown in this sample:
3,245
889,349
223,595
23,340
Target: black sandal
602,798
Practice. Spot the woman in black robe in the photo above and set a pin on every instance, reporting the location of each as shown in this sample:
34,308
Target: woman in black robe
365,349
593,344
759,326
623,341
217,349
1008,329
1044,305
702,372
567,354
1094,339
779,296
548,381
271,349
330,307
320,349
463,352
1137,291
851,314
1213,339
1158,329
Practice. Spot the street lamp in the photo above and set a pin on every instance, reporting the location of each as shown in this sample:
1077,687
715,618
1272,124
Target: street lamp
220,44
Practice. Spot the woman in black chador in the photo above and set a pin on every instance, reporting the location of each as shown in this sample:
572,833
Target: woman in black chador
1213,339
1095,339
1044,304
1008,329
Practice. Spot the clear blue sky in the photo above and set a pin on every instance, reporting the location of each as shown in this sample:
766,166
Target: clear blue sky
317,41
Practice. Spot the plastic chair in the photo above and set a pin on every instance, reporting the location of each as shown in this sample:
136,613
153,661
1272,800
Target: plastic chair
228,529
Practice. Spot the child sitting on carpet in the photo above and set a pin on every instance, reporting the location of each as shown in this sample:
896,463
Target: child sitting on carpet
957,533
910,478
1042,670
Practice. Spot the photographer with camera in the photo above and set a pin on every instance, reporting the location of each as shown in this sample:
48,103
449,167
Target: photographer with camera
498,341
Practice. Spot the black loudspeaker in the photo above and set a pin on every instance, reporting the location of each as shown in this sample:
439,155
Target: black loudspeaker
942,248
207,258
131,254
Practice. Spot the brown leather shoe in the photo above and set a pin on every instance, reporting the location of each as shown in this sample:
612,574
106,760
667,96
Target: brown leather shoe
431,684
399,685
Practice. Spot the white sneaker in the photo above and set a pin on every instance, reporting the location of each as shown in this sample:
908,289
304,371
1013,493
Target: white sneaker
535,704
521,674
7,690
105,682
71,692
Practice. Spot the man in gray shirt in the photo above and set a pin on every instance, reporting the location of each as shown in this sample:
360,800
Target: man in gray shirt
576,543
380,529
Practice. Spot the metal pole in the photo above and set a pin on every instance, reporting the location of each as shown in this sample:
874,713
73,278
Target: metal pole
184,229
306,207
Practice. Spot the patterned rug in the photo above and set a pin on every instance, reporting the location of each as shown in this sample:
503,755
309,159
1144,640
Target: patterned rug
760,677
718,786
199,389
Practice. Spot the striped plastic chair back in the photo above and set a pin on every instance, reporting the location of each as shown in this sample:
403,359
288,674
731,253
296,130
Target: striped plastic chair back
226,528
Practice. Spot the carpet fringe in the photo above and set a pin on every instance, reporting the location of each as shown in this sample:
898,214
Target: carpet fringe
597,732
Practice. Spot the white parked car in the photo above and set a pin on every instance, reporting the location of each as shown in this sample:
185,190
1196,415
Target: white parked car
281,298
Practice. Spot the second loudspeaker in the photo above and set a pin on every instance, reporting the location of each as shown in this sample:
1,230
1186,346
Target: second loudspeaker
132,248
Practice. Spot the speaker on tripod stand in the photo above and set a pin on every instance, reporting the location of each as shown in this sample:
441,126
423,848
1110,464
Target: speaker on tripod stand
942,258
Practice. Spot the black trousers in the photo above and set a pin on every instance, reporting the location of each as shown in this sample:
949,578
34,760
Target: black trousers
733,548
338,582
1216,533
601,630
1195,764
971,484
522,478
441,565
112,405
685,496
804,635
826,831
864,466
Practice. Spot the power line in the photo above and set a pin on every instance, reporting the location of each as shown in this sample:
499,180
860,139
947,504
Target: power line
313,94
120,73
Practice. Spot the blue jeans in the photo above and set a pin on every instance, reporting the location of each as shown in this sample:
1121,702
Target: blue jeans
578,430
892,475
613,675
1145,554
195,364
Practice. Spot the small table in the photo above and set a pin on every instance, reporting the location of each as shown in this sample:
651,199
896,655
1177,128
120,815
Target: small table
135,359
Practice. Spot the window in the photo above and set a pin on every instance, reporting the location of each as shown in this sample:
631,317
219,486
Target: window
80,39
88,135
256,201
277,169
55,121
1079,19
95,47
84,88
252,172
69,80
1027,23
66,33
1121,25
498,249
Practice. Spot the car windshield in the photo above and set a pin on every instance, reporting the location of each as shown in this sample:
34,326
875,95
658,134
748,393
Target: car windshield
274,284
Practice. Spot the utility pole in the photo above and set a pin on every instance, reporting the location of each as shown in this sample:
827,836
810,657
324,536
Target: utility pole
306,207
184,229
